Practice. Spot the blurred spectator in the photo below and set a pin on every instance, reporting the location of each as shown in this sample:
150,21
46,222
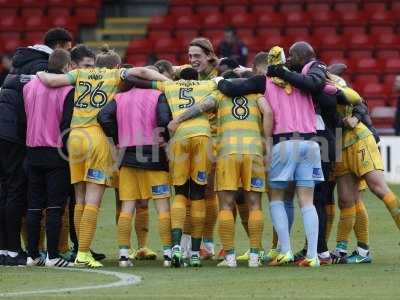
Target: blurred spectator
232,47
6,60
397,119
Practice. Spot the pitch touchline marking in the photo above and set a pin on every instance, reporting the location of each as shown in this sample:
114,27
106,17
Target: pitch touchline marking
124,280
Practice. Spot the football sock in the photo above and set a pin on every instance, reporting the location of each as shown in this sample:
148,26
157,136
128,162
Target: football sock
124,230
330,217
211,218
78,211
361,226
256,227
53,226
198,216
42,236
281,225
87,227
24,232
289,208
178,215
392,204
346,223
33,219
64,232
164,227
243,209
226,229
187,226
310,222
142,226
274,239
117,212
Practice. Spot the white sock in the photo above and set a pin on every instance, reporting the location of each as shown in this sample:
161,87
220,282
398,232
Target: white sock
230,257
167,252
197,253
124,252
280,222
362,251
310,222
3,252
209,246
324,254
12,253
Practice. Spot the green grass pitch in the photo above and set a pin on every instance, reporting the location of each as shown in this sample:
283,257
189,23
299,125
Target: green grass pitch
379,280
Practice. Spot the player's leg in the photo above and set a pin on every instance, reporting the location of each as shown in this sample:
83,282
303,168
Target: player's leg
186,240
197,216
72,232
330,209
36,204
63,246
57,190
93,196
255,225
164,228
347,187
142,231
80,192
243,209
125,230
208,251
226,227
3,234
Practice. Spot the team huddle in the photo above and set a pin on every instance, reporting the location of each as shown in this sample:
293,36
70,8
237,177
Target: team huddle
204,141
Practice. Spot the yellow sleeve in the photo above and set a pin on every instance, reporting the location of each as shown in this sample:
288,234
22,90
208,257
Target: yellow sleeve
351,95
158,85
73,76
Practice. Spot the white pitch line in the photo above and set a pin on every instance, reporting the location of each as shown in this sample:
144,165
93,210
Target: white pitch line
124,280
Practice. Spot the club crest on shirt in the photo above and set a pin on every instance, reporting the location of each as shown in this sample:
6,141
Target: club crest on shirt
257,182
160,189
201,176
96,175
317,173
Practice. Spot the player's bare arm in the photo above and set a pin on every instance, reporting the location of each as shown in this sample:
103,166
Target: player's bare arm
53,80
268,124
192,112
145,73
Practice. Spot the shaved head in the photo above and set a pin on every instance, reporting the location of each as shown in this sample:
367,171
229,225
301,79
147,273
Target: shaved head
300,53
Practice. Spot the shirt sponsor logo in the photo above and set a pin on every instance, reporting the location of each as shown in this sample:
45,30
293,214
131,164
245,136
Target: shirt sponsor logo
95,175
160,189
257,182
201,176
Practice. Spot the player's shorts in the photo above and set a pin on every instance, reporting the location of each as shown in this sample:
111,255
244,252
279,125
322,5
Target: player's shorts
244,171
360,158
295,160
138,184
189,158
90,157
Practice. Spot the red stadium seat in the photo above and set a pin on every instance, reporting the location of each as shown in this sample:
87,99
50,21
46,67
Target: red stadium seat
140,46
5,4
10,35
240,20
253,43
332,42
354,29
392,65
215,36
271,41
348,6
381,29
87,3
208,6
360,53
270,23
58,11
327,18
59,3
11,23
317,7
373,90
368,65
329,55
186,34
181,7
387,53
166,45
214,21
34,37
264,7
363,79
361,42
374,6
86,15
164,23
69,23
297,18
173,3
323,30
156,34
138,60
168,56
29,12
380,17
290,6
353,18
232,9
36,23
388,41
187,22
8,12
33,3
